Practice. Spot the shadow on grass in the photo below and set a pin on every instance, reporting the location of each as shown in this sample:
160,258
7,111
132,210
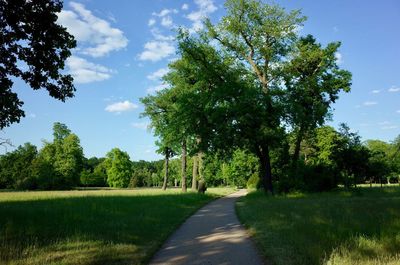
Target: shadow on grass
308,228
91,230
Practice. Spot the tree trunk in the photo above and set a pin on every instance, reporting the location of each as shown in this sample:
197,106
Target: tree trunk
195,172
164,187
297,146
265,165
200,158
183,182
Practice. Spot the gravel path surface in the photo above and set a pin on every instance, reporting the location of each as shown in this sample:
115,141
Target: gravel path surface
213,235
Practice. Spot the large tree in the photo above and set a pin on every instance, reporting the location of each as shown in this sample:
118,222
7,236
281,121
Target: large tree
260,36
33,47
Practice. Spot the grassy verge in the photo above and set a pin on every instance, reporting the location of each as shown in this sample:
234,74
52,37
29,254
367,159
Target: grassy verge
358,227
91,227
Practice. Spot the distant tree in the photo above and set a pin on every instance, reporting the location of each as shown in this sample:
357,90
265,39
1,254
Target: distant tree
44,174
34,48
353,157
241,167
15,168
65,154
379,161
119,168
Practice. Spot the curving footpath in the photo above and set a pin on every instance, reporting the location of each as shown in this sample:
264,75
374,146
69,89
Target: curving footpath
213,235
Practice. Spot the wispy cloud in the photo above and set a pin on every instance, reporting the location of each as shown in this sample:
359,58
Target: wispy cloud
158,74
376,91
205,8
370,103
156,50
84,71
389,127
151,22
384,123
185,7
394,89
339,58
122,106
167,22
140,125
156,88
96,35
165,12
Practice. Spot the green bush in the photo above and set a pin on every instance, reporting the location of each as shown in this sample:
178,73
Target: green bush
254,181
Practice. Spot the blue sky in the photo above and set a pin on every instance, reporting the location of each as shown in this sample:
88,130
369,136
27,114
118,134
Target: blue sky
124,47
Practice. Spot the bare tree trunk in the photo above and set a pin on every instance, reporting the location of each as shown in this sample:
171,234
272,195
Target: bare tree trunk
200,157
297,146
183,182
164,187
265,165
195,172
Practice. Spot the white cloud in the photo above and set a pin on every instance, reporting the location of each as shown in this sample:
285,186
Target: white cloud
32,115
167,21
95,34
185,6
370,103
158,74
339,58
394,89
151,22
84,71
157,88
384,123
165,12
376,91
121,106
390,127
140,125
205,7
156,50
158,36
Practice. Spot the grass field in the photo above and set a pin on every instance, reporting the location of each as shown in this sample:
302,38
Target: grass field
92,227
346,228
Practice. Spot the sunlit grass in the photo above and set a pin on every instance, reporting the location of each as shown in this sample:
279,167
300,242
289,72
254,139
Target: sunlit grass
92,226
342,227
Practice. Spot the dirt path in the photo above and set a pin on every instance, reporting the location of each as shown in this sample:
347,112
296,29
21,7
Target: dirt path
213,235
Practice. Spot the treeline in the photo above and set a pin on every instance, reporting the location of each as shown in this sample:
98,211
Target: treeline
60,164
327,158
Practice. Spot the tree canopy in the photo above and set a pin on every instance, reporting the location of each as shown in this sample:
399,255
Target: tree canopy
34,48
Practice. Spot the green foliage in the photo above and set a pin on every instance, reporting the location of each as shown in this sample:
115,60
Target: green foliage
119,168
31,34
15,168
241,167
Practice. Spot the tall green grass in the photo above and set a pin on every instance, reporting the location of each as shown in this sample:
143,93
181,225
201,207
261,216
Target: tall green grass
91,227
343,227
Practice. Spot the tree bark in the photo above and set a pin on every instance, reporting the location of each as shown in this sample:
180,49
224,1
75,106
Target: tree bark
164,187
297,146
195,172
183,182
265,165
200,158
